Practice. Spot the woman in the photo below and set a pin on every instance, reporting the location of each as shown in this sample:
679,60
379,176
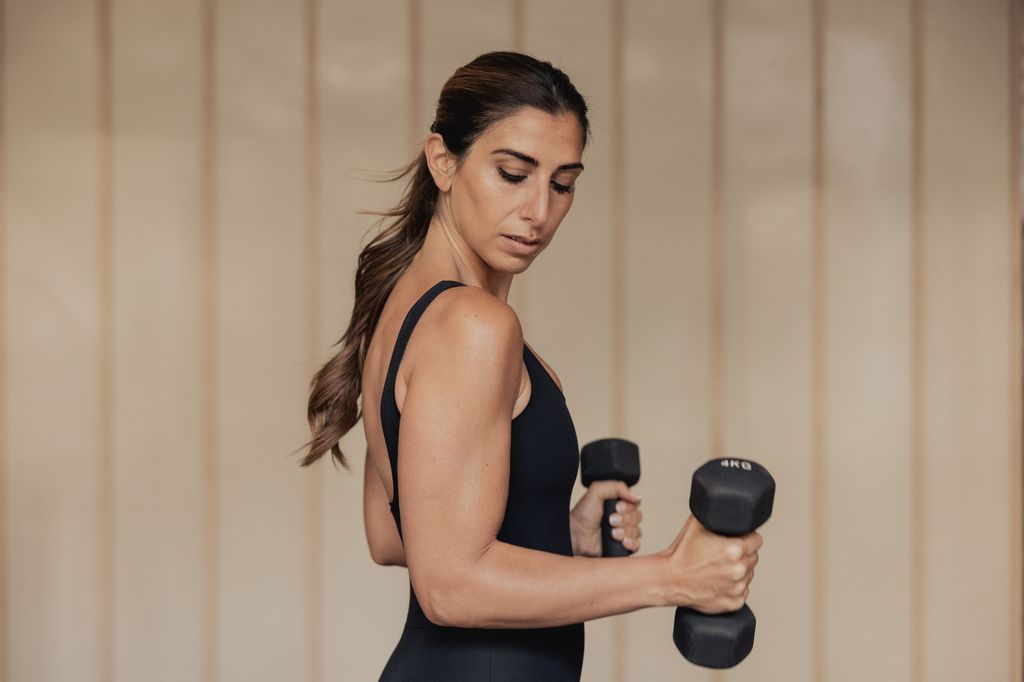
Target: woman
502,574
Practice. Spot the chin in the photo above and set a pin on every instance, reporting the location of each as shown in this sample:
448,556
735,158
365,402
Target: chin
517,267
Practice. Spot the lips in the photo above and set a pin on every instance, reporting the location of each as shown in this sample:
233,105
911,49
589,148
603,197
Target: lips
523,240
522,246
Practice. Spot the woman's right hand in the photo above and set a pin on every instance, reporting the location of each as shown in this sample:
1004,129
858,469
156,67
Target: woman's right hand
708,572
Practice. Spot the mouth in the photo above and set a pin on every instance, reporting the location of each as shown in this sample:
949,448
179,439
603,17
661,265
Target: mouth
522,240
522,246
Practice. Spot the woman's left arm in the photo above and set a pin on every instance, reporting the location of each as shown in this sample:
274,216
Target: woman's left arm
381,532
585,518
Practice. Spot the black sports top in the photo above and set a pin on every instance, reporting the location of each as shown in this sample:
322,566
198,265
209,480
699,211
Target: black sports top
544,460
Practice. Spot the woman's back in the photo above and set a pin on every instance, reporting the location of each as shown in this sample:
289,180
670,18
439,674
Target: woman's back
543,463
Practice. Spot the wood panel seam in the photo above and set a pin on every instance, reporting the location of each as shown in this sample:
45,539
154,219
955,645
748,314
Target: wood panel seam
105,484
917,350
210,517
618,280
1016,383
818,644
313,483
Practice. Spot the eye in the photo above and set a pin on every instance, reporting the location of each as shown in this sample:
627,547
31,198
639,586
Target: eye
514,179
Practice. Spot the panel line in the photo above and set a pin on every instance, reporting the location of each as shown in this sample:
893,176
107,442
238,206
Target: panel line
1016,629
210,513
718,238
314,483
819,462
518,24
618,280
717,228
415,77
105,329
917,449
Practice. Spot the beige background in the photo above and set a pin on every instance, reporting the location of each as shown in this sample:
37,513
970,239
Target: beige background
796,241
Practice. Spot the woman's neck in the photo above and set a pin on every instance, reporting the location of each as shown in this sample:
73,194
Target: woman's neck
445,255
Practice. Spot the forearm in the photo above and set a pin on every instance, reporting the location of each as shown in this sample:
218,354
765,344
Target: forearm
511,586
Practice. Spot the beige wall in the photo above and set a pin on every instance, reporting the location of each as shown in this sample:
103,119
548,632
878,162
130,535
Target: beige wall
796,241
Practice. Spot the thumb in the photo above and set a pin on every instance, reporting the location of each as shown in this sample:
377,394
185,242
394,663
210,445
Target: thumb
626,493
611,489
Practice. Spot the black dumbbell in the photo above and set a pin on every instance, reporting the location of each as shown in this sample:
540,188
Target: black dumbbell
728,497
610,459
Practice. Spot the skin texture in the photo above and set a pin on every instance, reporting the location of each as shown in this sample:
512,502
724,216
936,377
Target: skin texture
461,382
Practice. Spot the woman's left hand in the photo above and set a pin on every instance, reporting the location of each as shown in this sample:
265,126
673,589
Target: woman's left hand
585,518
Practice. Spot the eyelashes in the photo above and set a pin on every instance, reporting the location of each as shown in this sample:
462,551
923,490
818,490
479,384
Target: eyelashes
516,179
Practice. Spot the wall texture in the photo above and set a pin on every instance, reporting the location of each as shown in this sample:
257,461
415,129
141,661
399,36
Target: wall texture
797,241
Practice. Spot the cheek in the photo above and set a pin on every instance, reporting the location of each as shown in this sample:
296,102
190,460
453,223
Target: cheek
485,204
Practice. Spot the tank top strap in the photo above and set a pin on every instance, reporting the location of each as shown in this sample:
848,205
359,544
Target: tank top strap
389,414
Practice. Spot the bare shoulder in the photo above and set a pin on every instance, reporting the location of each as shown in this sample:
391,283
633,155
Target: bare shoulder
471,319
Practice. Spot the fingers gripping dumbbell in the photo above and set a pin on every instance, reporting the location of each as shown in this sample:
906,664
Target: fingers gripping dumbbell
610,459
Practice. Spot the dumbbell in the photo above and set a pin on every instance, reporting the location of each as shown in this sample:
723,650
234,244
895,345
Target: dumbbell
728,497
610,459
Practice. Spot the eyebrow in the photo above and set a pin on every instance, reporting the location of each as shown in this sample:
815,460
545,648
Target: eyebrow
533,162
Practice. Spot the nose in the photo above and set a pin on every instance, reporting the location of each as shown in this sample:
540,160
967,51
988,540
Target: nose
535,206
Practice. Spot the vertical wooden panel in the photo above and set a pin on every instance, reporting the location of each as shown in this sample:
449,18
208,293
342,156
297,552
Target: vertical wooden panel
364,108
767,202
568,295
966,318
53,352
261,373
867,342
668,337
157,308
452,33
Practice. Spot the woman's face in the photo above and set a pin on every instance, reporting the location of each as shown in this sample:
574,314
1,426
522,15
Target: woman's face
514,185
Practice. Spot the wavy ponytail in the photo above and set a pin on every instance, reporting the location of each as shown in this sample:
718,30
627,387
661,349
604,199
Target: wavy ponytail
491,87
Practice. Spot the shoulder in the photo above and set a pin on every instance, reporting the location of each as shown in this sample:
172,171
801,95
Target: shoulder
470,352
472,317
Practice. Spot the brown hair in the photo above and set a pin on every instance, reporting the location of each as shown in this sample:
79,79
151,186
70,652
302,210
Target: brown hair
489,88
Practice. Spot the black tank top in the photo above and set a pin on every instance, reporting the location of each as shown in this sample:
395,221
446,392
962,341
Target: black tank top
544,460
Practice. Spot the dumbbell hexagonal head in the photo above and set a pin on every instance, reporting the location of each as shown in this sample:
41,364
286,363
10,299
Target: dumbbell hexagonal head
712,641
732,496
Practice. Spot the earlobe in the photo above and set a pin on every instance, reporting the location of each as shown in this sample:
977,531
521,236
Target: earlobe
440,162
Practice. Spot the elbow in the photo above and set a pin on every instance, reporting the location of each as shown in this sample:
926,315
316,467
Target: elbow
386,558
385,553
438,609
443,606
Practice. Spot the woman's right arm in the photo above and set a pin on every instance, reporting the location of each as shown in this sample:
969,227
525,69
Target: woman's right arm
455,441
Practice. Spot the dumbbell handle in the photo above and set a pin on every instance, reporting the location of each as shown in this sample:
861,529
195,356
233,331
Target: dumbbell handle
609,545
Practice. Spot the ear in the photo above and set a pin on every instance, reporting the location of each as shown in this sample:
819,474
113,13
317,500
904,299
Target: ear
440,162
